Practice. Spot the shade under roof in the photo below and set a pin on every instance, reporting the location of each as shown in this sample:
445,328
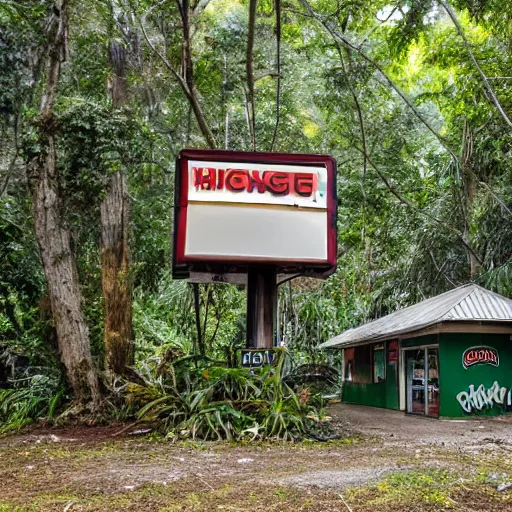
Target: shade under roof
468,303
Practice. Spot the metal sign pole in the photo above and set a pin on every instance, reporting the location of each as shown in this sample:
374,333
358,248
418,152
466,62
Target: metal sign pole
261,307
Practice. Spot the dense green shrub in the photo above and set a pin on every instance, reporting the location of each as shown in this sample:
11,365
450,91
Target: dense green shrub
33,397
212,402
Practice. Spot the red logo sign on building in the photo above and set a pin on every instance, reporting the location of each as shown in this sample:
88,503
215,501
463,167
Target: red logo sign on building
480,355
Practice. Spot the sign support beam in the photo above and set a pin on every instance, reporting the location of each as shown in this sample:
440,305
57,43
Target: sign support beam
261,307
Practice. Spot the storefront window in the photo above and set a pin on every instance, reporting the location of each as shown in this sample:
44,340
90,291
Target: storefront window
379,370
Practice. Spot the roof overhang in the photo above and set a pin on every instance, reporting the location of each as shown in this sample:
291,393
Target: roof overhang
470,326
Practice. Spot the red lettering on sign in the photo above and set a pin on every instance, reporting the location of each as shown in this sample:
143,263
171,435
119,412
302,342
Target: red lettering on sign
204,178
257,181
237,180
278,183
471,356
304,183
220,182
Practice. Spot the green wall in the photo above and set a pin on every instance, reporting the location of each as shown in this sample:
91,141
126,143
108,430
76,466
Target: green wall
381,394
454,378
391,384
365,394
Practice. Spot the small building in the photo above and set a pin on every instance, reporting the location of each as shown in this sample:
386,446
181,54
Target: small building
448,356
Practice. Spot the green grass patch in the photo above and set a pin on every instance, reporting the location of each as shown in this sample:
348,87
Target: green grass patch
176,497
10,507
431,487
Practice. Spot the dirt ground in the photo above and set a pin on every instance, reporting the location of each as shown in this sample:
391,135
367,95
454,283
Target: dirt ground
386,461
396,427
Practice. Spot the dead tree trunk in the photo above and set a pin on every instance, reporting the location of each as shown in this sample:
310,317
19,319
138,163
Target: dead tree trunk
53,238
115,256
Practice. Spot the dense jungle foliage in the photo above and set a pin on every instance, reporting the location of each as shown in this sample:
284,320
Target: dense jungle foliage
412,98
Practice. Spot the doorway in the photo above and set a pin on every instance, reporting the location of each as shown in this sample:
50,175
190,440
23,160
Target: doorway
422,381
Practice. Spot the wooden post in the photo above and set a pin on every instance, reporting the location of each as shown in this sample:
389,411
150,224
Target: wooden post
261,307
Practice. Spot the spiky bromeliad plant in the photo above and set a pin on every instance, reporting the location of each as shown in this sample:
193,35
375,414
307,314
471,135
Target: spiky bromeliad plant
211,402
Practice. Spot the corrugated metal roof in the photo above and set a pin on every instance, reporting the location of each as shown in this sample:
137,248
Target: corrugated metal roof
465,303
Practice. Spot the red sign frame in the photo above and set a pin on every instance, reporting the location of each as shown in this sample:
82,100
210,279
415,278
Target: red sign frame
183,265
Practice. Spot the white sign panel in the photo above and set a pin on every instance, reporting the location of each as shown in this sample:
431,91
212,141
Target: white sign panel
242,231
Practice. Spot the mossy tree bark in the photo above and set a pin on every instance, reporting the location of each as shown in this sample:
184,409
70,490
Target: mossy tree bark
115,256
115,272
53,238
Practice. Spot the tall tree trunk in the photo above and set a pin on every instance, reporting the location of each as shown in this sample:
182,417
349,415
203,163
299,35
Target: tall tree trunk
115,256
249,67
115,274
475,265
53,238
470,189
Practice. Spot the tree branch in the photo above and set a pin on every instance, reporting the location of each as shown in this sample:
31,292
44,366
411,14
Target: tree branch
485,80
327,24
200,7
195,288
348,44
261,76
187,83
16,154
56,30
184,9
250,70
357,105
162,57
9,172
206,308
371,31
278,69
214,335
408,203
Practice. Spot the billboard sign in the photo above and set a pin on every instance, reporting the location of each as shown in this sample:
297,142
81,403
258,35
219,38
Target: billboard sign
234,209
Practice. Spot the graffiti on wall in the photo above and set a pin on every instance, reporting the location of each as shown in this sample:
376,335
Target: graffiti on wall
482,397
480,355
